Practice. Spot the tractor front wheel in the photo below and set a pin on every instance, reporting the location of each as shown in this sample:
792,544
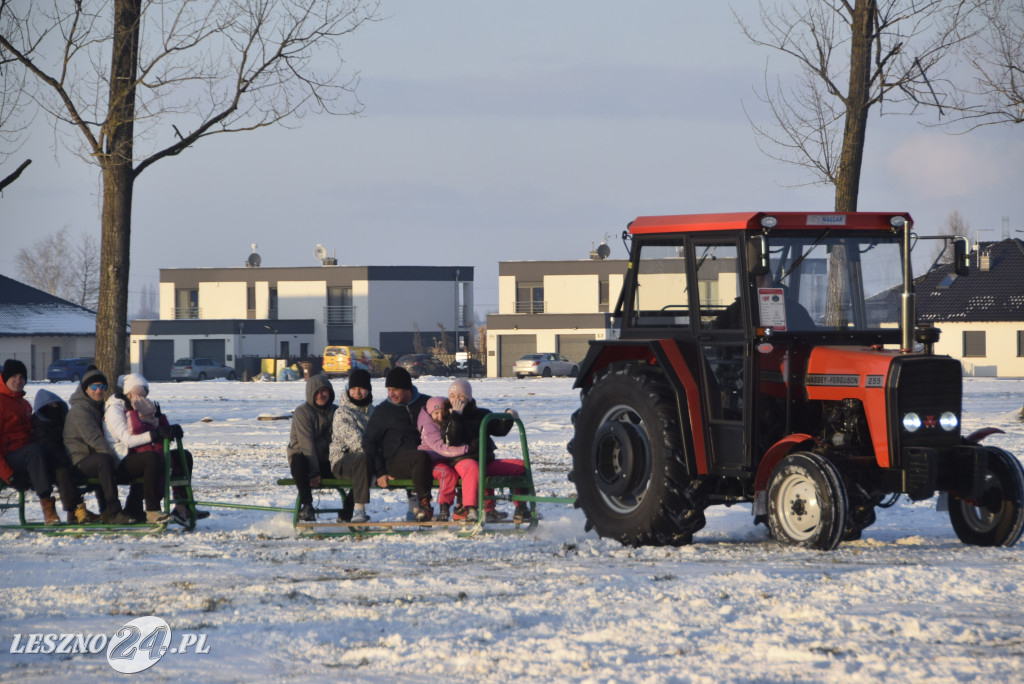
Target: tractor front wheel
807,502
996,518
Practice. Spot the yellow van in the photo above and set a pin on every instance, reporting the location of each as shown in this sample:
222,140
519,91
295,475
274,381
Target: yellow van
340,360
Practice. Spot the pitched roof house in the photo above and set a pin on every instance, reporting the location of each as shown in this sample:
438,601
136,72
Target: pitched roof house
981,315
38,328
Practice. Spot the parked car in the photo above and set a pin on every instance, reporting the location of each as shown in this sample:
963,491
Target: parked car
200,369
341,359
67,369
423,364
544,365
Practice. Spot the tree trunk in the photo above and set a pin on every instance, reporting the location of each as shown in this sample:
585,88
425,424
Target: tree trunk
857,105
852,155
118,175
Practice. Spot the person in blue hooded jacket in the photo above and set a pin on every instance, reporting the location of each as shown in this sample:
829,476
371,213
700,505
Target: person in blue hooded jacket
48,414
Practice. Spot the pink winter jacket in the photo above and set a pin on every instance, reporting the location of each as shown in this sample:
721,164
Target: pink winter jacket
432,442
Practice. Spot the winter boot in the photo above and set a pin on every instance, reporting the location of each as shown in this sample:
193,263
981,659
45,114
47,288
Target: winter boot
50,516
83,516
306,513
521,513
443,512
426,511
158,517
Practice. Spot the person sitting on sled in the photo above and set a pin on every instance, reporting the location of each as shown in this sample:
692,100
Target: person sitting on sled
346,453
310,441
462,426
443,456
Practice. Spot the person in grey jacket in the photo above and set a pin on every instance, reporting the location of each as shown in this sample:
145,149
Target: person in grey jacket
310,440
88,446
347,457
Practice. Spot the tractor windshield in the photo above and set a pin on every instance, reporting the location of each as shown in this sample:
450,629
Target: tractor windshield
843,282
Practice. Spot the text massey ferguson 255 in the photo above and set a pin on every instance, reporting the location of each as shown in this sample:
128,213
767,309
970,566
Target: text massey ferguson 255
775,359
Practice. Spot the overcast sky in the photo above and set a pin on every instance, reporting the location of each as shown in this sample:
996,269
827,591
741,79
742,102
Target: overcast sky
498,131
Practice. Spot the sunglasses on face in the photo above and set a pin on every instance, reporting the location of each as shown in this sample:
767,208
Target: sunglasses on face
98,386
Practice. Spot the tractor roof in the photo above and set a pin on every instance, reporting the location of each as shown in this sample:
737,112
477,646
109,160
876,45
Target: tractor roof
752,221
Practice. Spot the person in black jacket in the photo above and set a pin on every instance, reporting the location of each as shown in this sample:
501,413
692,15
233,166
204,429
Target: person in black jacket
462,426
392,438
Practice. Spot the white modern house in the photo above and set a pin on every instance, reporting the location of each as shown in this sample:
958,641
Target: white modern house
551,306
239,315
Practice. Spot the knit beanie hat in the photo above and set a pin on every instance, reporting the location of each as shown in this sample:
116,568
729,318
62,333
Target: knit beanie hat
398,378
460,386
134,381
13,367
93,374
359,378
434,403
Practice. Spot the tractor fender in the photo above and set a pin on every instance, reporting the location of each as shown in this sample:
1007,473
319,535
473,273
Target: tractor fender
978,435
775,453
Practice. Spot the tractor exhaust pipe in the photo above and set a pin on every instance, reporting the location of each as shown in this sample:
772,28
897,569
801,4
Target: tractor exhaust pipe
908,311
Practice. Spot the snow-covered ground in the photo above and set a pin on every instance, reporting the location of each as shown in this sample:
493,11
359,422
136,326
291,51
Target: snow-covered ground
907,603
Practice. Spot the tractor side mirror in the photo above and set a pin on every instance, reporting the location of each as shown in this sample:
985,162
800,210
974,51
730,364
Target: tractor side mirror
757,255
961,263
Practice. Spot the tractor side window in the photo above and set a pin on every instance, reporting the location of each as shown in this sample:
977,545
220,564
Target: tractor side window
660,297
718,286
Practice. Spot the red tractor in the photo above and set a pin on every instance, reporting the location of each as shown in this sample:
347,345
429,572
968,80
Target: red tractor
773,358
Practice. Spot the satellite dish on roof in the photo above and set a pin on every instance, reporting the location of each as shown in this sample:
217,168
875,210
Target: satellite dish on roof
253,261
321,253
603,250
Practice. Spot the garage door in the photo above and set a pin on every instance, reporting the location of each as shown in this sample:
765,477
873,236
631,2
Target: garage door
208,349
511,348
574,347
157,359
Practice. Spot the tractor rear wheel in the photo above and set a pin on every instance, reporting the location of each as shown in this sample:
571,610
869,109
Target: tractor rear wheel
807,502
628,462
996,518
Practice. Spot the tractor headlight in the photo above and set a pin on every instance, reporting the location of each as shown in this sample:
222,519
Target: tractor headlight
769,222
897,222
911,422
948,421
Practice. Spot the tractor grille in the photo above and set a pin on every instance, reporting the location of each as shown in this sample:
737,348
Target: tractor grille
928,386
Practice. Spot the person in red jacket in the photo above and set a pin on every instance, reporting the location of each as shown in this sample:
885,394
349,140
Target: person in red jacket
20,458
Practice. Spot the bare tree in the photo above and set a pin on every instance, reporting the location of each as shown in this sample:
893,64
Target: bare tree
852,56
13,121
997,55
41,265
130,83
83,285
955,225
148,302
62,267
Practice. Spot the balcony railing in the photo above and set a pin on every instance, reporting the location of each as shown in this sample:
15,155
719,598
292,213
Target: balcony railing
529,307
339,315
187,312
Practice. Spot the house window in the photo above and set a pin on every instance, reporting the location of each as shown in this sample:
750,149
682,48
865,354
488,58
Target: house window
250,302
272,308
530,298
1020,343
186,303
339,306
602,297
974,343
